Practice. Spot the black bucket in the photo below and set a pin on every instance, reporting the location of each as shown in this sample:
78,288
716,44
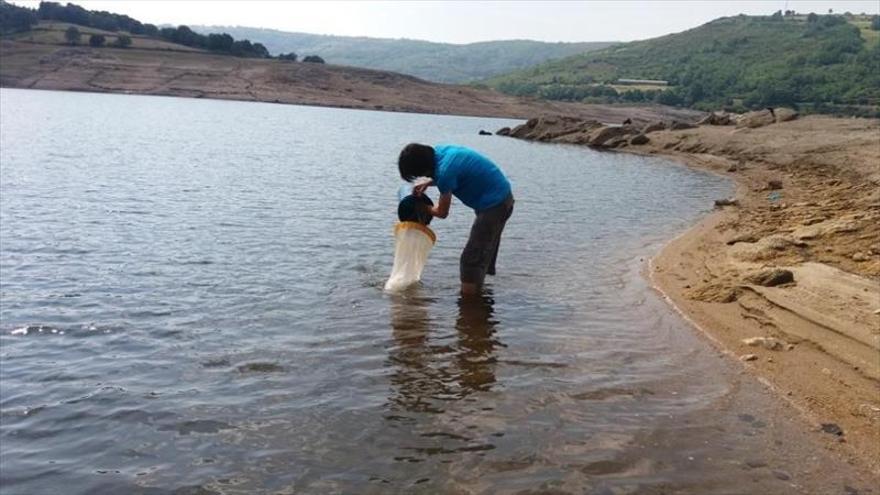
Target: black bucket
408,209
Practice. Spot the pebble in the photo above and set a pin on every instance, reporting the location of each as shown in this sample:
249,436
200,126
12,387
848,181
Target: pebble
832,428
860,257
781,475
748,357
768,343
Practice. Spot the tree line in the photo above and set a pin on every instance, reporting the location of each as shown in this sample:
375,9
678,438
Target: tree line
14,19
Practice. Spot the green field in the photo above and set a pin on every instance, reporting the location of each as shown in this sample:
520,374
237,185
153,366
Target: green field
52,33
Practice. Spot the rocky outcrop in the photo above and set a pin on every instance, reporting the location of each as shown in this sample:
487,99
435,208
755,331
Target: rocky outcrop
785,114
716,118
771,278
606,135
654,126
640,138
758,118
678,126
578,131
485,133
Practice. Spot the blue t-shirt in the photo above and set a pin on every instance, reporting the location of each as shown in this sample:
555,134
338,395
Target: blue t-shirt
469,176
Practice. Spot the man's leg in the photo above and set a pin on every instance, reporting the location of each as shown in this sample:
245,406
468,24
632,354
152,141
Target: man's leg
481,248
508,204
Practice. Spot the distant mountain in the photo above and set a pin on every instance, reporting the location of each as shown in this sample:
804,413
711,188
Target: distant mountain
826,63
439,62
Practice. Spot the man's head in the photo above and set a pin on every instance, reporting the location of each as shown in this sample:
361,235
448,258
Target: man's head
416,160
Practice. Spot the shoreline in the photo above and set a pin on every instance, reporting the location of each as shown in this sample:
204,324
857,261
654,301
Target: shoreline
803,389
806,200
221,77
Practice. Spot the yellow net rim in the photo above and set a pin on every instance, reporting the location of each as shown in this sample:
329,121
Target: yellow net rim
417,226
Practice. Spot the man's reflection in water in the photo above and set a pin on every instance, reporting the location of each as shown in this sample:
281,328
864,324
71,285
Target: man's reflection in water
429,371
476,341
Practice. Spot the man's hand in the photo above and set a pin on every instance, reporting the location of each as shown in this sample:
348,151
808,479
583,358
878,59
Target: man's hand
419,189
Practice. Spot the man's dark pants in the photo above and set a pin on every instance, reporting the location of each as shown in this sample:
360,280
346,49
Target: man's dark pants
481,250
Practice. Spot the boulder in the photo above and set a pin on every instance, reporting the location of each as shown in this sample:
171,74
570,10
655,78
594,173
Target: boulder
607,134
758,118
654,126
678,126
521,131
639,138
616,142
726,202
715,118
771,278
774,185
504,131
785,114
485,133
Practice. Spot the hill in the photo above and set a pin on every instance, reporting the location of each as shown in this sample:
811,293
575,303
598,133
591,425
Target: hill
177,70
440,62
821,63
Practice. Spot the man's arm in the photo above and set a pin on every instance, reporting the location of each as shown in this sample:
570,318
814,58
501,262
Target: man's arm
442,208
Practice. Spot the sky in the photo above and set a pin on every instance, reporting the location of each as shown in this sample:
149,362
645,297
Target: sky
463,21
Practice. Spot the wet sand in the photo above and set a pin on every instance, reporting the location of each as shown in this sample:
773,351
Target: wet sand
807,201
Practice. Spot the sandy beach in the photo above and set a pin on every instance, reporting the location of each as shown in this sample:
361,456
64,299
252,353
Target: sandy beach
784,275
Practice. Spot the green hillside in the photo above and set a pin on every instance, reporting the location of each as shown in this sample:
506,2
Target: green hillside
821,63
441,62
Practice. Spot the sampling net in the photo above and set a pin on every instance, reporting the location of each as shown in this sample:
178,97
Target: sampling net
412,244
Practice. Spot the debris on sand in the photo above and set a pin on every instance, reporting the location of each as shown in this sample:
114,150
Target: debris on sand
769,343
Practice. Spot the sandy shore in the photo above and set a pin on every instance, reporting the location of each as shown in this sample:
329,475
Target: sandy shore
807,201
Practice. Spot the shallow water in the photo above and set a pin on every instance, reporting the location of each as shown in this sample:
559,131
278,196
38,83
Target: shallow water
191,303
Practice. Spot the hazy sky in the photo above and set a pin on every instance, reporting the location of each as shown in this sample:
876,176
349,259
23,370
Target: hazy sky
463,22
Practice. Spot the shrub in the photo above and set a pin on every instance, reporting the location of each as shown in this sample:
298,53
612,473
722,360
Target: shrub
122,41
97,40
72,35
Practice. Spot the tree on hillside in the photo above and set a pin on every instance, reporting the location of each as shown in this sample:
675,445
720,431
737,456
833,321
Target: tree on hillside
72,35
777,16
812,17
97,40
220,42
287,56
122,41
314,59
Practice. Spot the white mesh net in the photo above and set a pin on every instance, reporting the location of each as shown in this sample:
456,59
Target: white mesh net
412,244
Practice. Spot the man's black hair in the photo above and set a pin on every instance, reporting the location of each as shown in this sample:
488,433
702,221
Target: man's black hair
416,160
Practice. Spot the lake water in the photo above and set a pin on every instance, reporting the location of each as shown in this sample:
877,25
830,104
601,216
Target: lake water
192,303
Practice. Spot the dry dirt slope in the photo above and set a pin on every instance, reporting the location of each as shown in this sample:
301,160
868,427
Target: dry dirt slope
197,74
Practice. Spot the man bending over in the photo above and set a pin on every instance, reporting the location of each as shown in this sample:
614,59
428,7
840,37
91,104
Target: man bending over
476,182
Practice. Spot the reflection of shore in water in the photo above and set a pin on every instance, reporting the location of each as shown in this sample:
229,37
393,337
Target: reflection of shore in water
428,375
